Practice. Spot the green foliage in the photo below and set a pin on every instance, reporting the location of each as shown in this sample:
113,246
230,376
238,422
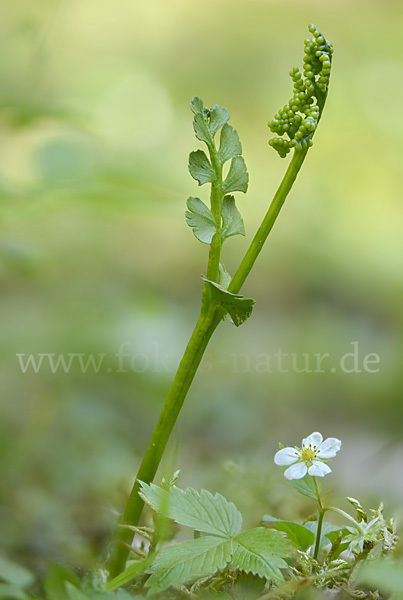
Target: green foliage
337,539
383,575
62,584
223,218
55,582
218,117
238,307
39,208
364,536
300,117
327,530
237,179
304,486
261,552
230,145
360,538
231,217
59,584
132,571
200,168
361,514
206,123
14,574
367,534
247,587
89,590
202,511
178,564
73,593
201,220
301,537
10,591
196,105
220,559
258,551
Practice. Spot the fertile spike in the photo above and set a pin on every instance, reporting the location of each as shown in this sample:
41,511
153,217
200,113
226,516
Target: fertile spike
299,118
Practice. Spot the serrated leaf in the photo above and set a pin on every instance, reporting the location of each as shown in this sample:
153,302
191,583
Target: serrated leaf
261,552
232,223
201,220
196,105
202,511
238,307
237,179
298,535
15,574
230,145
201,128
304,486
200,168
218,116
181,563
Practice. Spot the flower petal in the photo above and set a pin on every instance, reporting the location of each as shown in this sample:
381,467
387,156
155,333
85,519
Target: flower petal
319,469
296,471
286,456
315,439
329,448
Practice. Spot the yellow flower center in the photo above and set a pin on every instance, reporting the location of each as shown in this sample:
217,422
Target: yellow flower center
308,453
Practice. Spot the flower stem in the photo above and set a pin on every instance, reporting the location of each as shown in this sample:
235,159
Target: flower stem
321,512
345,515
267,224
210,317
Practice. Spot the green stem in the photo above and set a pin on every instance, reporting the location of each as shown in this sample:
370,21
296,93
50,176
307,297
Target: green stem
193,354
318,533
209,319
321,512
267,224
345,515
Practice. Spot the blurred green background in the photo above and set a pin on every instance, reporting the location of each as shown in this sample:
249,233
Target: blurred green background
96,258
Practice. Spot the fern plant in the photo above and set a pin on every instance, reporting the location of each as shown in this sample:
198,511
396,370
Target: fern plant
295,126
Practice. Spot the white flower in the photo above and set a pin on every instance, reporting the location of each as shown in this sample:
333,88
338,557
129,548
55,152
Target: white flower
309,458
